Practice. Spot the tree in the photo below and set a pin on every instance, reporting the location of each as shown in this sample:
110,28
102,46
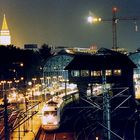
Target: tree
45,52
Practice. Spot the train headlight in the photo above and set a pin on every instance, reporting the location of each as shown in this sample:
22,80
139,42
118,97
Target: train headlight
44,120
55,122
50,117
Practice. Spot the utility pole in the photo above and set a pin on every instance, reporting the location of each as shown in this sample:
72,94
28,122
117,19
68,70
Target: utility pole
44,83
6,130
115,20
106,109
114,28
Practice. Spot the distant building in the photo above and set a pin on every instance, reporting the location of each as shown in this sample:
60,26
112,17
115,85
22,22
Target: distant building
31,47
74,50
135,57
57,49
5,37
121,50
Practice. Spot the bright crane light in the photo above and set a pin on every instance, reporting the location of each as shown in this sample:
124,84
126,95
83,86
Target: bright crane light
92,19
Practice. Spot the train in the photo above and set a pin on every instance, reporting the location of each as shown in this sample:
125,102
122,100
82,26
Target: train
51,115
52,108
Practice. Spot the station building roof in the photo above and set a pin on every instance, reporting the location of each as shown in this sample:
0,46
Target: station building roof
102,59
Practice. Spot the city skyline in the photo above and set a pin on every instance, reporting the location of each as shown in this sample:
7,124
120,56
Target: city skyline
63,22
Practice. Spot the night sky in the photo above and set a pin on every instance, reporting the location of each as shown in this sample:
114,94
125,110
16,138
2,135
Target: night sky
63,22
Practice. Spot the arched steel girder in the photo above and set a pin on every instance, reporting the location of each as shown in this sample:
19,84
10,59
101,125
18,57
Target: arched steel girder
55,65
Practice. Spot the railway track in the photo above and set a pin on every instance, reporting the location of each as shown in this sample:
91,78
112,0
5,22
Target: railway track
42,135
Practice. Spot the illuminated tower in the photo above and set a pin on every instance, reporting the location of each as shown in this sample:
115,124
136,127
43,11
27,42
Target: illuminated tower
5,38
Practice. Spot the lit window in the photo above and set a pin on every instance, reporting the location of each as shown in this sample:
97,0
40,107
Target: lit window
75,73
84,73
92,73
117,72
108,72
96,73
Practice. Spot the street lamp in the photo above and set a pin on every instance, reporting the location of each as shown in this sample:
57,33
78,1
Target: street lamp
91,19
17,83
9,83
33,89
21,64
31,85
3,87
48,79
65,81
34,80
6,130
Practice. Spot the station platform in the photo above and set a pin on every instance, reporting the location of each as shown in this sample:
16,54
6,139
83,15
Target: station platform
29,129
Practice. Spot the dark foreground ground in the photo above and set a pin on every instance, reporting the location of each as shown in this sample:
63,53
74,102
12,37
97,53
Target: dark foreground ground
86,122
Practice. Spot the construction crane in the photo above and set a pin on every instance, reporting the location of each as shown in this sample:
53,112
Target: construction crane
114,21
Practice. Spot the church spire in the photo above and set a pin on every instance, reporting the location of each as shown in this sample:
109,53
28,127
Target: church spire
5,38
4,24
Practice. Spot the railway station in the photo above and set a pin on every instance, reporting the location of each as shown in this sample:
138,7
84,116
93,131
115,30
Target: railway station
95,88
104,87
77,85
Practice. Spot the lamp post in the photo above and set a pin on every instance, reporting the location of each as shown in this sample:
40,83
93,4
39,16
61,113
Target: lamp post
43,87
34,80
9,83
3,87
114,21
6,117
17,82
48,80
6,130
30,84
33,85
65,81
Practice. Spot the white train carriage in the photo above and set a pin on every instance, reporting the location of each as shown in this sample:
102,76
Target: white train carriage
51,116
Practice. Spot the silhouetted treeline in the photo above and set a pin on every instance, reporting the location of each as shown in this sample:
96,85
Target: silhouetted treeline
17,63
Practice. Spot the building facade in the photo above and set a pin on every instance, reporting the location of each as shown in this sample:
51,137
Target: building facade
113,67
135,57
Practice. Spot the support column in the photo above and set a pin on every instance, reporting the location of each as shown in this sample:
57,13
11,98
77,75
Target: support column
106,109
82,87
